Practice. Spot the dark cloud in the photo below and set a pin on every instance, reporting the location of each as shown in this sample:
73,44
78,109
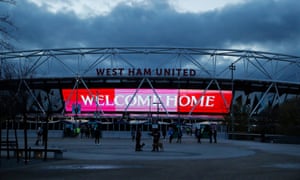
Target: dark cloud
272,24
262,22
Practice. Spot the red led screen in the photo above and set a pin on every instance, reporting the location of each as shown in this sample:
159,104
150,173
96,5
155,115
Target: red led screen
145,100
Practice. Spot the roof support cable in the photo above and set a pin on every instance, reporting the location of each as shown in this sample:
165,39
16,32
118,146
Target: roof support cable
196,63
136,91
96,62
33,96
199,100
160,101
261,100
90,93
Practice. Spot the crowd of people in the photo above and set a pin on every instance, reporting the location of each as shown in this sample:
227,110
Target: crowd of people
209,131
84,131
94,131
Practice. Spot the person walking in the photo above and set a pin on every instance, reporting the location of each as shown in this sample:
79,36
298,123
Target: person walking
156,137
214,132
210,134
97,135
133,134
170,134
179,135
39,134
44,135
164,133
82,130
138,146
198,134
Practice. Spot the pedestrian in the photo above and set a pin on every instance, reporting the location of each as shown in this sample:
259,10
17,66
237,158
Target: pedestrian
210,134
93,128
82,130
164,132
179,135
170,134
88,131
198,134
97,135
44,134
138,146
39,134
156,137
214,132
133,134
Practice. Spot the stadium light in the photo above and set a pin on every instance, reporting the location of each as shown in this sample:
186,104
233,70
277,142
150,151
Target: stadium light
232,67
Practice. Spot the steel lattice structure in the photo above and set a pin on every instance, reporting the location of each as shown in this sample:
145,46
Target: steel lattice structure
257,78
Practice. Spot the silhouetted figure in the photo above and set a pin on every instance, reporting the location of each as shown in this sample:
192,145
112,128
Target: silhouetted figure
138,146
45,135
179,135
39,134
133,134
170,134
210,135
97,134
164,133
156,136
198,134
213,133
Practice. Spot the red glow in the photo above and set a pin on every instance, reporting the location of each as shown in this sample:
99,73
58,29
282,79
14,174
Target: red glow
145,100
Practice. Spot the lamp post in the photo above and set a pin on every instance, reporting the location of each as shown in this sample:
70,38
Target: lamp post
150,103
97,106
157,103
76,103
150,115
232,67
178,109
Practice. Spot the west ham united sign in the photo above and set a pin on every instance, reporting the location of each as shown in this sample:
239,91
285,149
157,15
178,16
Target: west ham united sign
165,72
145,100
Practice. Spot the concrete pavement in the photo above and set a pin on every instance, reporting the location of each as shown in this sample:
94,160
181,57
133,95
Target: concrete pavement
115,158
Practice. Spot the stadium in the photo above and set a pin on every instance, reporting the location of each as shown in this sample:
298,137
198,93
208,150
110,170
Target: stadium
119,87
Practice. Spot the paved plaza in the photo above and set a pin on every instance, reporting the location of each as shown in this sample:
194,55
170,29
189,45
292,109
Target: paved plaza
116,158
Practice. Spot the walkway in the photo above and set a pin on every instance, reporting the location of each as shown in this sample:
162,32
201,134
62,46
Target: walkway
115,158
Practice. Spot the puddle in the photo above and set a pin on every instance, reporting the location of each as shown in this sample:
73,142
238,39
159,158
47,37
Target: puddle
89,167
286,165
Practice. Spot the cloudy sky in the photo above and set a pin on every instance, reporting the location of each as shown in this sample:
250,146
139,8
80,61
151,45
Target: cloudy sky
263,25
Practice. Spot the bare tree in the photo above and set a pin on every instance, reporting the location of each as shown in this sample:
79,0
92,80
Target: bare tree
6,27
289,117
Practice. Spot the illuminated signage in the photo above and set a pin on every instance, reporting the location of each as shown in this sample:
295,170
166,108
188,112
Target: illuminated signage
146,100
165,72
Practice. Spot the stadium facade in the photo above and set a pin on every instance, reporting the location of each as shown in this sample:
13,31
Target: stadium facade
168,84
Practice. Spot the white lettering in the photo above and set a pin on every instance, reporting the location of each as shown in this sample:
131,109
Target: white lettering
100,98
185,99
150,100
171,98
142,101
88,100
129,99
194,100
107,101
210,101
203,101
117,102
